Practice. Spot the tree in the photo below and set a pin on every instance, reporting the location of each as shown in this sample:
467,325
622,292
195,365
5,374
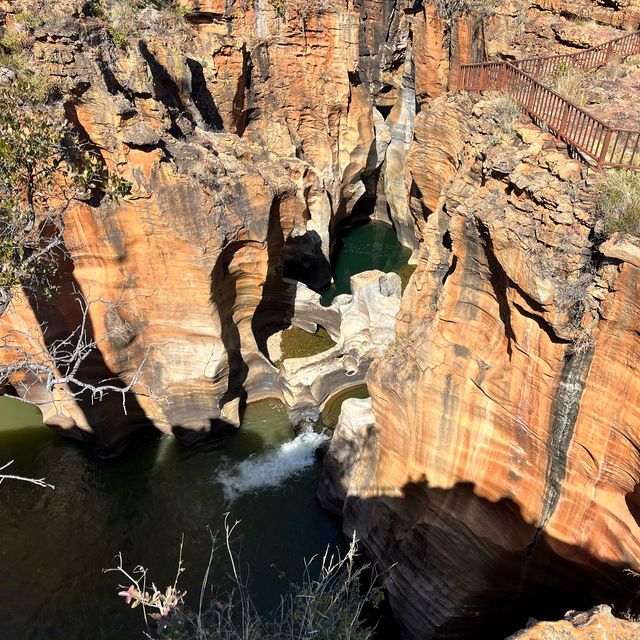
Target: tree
44,169
56,366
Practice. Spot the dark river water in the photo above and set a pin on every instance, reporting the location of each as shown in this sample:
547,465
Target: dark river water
55,544
369,246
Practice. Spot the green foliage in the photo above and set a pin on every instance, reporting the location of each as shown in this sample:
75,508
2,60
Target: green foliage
14,41
121,17
121,22
94,8
450,10
618,201
30,86
43,170
401,347
29,19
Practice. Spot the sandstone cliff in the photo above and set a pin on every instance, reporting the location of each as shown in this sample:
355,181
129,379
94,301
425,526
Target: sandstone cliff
498,472
248,134
496,467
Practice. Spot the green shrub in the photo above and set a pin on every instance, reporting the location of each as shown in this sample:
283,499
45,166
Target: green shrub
14,41
449,10
30,85
505,111
121,22
618,201
44,168
29,19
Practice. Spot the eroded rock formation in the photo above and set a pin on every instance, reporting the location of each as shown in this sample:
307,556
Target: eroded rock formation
362,325
248,136
501,473
495,470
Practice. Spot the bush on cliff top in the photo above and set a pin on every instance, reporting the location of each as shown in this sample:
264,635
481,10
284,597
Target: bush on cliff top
27,83
618,202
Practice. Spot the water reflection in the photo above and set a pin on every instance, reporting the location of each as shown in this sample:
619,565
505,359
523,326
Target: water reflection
54,544
370,246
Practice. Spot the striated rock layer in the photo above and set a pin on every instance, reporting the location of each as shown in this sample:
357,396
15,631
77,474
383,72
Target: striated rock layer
495,473
500,479
249,136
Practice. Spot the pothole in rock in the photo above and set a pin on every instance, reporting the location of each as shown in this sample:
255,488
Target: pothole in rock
297,343
331,410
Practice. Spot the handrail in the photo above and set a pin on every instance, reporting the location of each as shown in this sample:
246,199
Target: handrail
608,146
607,47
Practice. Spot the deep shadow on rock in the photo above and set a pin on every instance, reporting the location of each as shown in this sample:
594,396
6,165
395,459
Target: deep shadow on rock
425,535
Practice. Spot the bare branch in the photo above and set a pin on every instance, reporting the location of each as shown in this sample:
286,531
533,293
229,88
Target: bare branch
57,366
40,482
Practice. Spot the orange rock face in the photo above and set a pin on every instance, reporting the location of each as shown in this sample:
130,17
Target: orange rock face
590,625
248,134
499,474
503,466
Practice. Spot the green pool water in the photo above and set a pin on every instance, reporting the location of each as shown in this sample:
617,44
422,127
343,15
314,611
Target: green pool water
373,245
298,343
331,410
54,544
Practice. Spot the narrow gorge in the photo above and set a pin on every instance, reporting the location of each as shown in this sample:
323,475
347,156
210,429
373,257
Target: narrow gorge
318,287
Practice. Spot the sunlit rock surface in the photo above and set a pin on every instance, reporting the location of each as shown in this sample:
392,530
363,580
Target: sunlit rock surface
497,474
247,136
500,479
361,324
597,623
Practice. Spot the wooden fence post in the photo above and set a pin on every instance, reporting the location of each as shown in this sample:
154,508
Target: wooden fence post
563,121
502,81
602,158
531,96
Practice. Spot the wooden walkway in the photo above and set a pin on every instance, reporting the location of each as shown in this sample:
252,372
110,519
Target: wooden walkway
606,145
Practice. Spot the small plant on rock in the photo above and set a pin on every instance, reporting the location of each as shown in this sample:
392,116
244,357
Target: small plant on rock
618,202
29,19
504,112
570,82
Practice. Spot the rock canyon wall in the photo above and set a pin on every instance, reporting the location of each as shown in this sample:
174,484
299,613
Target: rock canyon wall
496,468
249,135
496,475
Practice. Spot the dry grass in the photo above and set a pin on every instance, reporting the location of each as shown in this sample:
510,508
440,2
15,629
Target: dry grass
329,603
570,82
618,202
505,111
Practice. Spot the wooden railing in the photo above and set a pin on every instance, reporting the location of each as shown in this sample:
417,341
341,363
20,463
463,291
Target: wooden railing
607,146
587,59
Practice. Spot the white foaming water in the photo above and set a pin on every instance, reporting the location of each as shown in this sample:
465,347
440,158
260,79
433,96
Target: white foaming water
271,469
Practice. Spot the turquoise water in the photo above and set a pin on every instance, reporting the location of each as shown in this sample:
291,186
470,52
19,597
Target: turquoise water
373,245
54,544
